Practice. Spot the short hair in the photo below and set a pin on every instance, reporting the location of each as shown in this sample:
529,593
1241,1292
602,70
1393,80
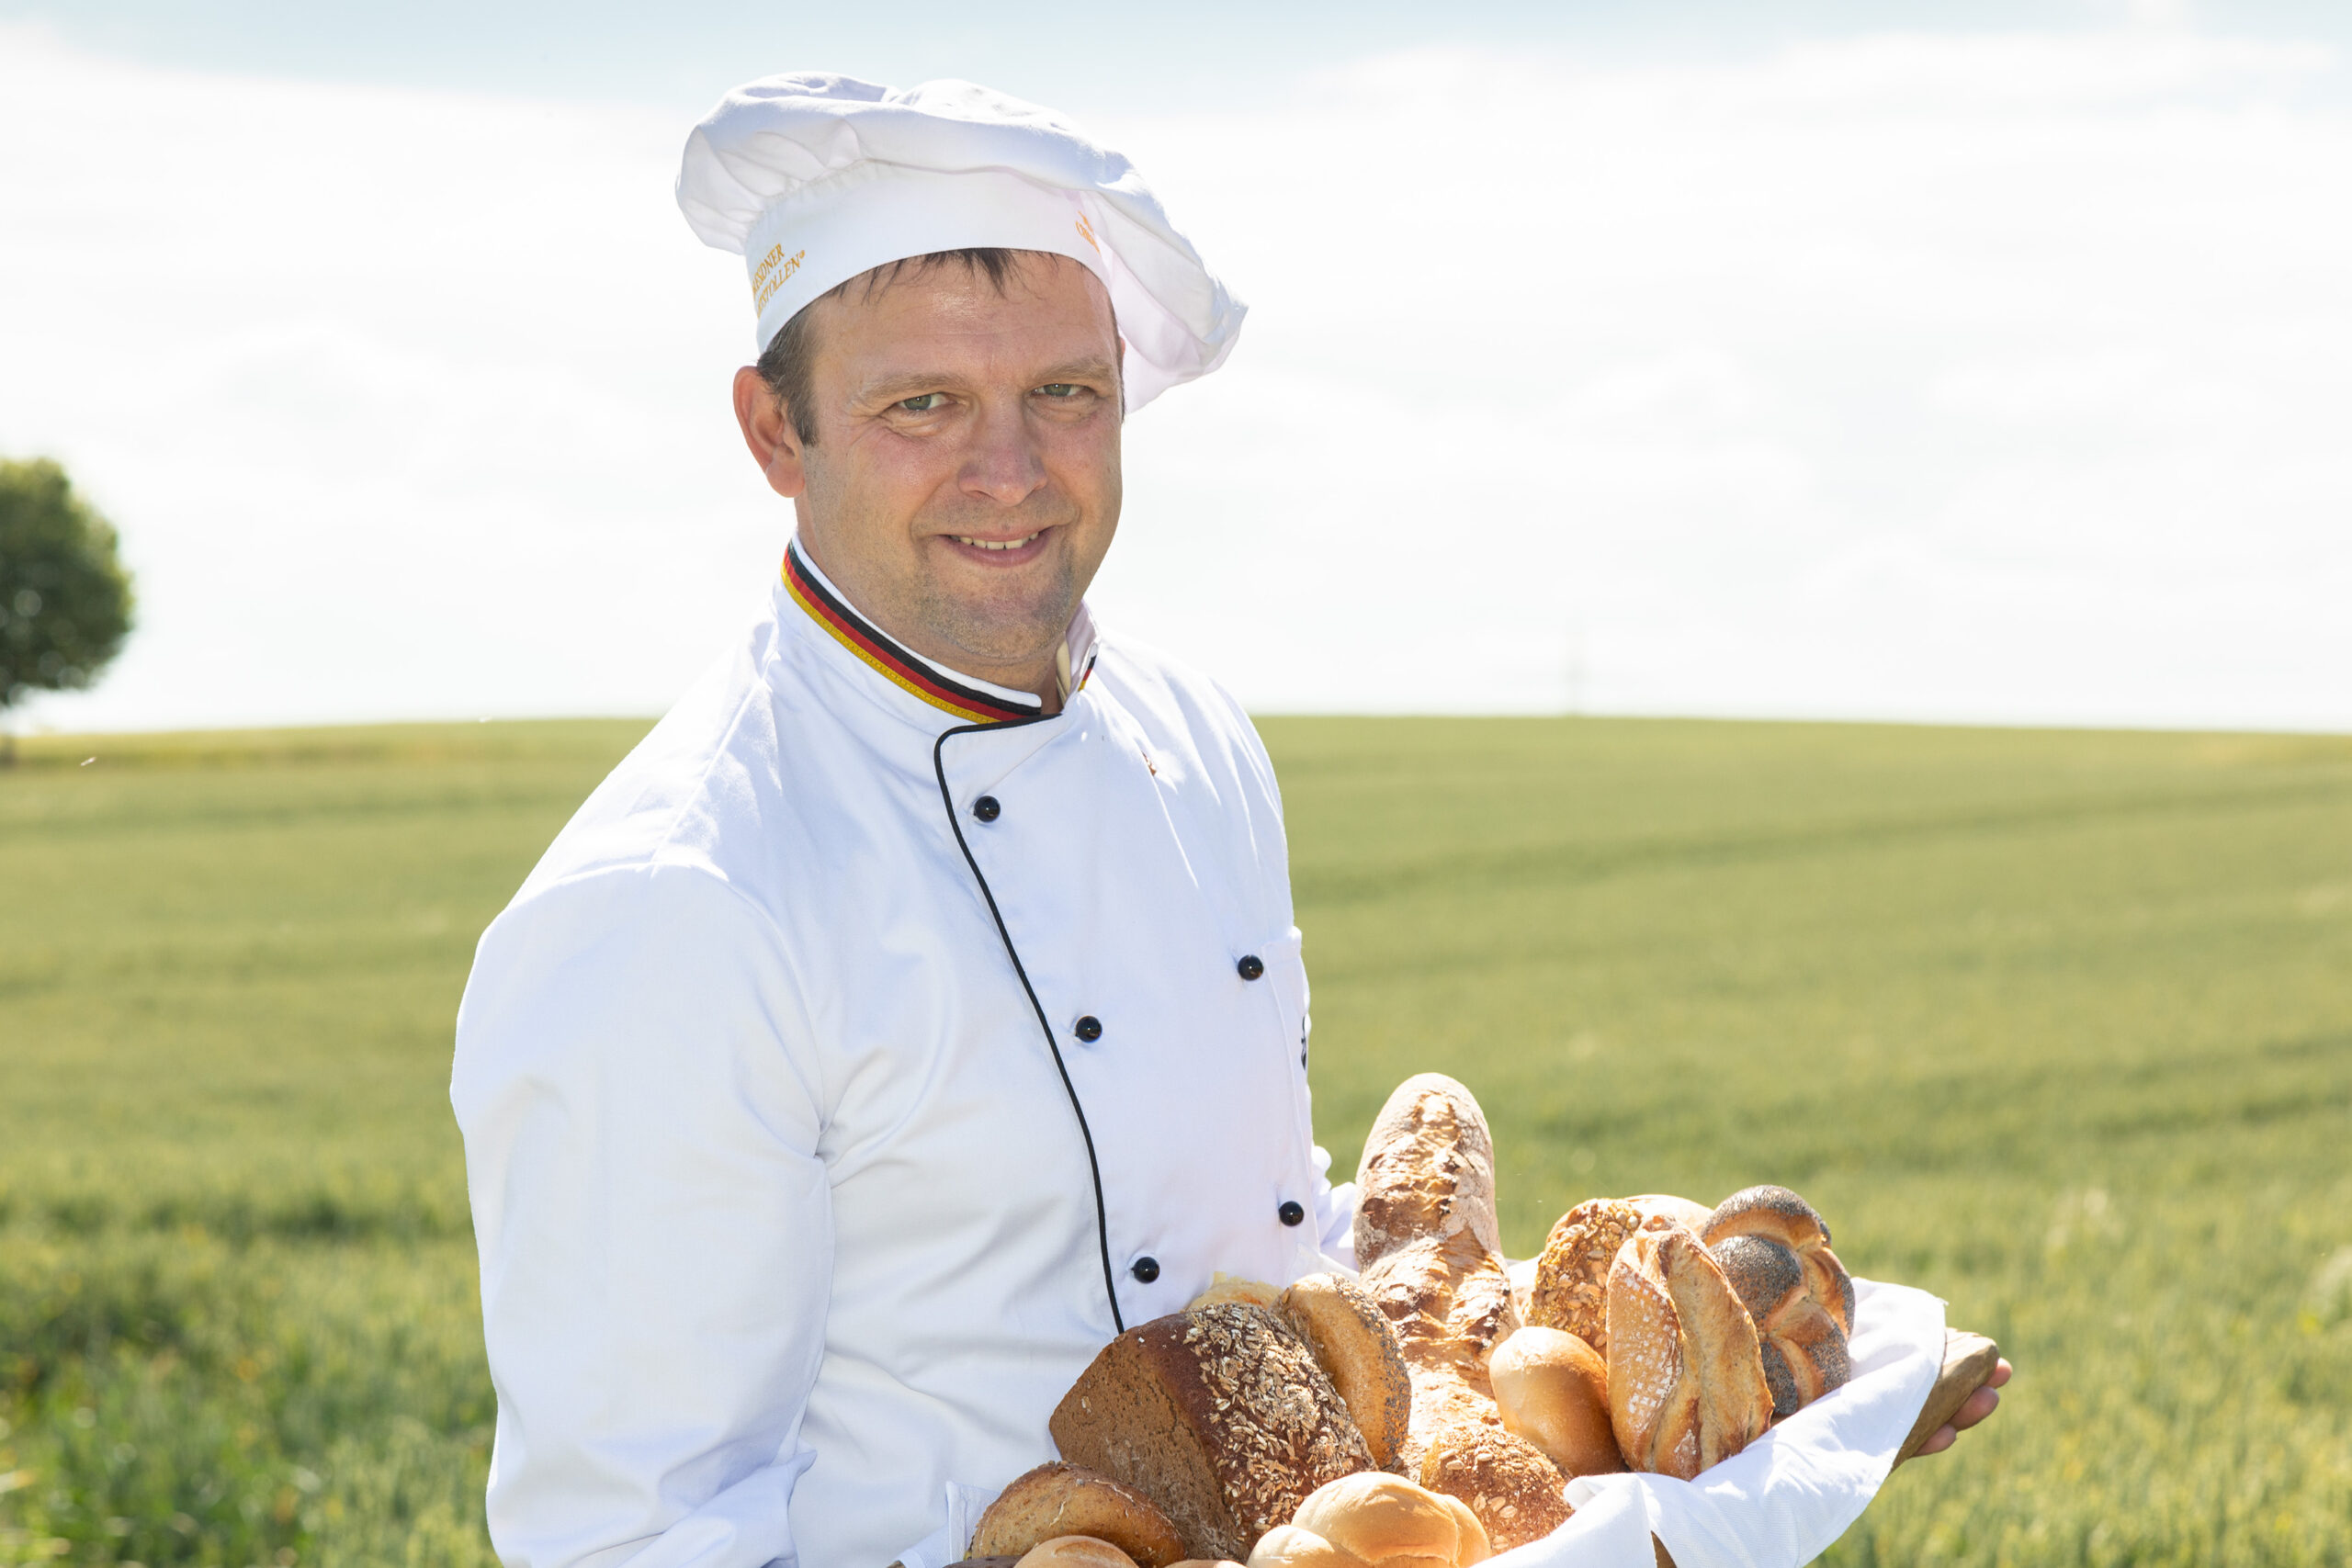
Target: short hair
785,364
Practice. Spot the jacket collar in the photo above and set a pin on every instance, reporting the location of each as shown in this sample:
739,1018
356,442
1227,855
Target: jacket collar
966,697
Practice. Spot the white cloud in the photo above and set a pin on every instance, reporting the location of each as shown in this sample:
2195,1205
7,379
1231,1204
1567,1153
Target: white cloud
1917,377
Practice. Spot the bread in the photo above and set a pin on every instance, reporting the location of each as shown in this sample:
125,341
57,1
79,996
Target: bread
1661,1208
1220,1417
1287,1546
1516,1494
1571,1290
1378,1519
1428,1172
1426,1234
1351,1341
1074,1551
1803,1349
1056,1500
1686,1378
1553,1390
1779,1214
1225,1287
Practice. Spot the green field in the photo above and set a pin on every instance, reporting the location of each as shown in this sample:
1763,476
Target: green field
2056,1024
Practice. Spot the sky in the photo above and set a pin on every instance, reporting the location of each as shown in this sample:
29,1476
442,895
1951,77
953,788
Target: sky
1980,364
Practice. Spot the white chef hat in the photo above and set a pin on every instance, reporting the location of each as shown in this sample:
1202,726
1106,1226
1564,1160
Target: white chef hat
815,178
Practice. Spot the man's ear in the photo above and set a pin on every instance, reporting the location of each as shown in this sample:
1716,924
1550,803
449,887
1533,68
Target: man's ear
767,431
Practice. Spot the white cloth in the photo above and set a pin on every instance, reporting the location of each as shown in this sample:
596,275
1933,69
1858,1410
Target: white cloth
789,1234
814,179
1782,1500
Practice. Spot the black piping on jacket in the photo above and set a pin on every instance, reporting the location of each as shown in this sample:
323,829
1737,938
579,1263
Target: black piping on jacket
1052,1042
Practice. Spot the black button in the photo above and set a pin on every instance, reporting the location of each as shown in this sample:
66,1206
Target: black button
986,808
1250,966
1089,1029
1145,1270
1291,1213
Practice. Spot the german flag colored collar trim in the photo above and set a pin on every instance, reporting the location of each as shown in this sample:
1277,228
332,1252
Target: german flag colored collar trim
907,671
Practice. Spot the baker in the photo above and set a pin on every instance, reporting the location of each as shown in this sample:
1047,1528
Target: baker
918,1004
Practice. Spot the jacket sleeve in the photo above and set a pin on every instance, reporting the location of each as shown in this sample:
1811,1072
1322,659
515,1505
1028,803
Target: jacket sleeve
634,1082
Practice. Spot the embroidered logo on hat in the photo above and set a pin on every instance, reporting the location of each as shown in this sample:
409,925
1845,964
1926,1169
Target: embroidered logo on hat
773,268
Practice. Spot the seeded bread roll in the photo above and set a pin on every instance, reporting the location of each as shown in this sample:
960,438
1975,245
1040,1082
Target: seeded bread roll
1781,1215
1060,1499
1686,1379
1803,1349
1516,1494
1553,1391
1351,1341
1075,1552
1381,1519
1220,1417
1571,1290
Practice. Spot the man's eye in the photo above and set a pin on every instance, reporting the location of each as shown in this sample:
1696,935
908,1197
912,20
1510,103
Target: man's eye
928,403
1061,388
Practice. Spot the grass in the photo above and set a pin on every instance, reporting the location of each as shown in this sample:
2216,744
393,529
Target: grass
2056,1024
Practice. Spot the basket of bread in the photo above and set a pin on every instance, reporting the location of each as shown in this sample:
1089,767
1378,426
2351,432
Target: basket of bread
1434,1410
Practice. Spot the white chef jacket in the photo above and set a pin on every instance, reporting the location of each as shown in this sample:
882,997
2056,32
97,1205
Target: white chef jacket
791,1233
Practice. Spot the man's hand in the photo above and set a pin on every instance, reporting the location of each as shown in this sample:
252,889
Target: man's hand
1977,1406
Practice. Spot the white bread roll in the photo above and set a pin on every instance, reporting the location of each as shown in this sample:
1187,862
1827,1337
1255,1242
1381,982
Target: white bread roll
1385,1520
1287,1546
1075,1552
1553,1390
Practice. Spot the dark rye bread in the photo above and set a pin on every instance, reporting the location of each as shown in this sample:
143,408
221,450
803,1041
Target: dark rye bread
1219,1416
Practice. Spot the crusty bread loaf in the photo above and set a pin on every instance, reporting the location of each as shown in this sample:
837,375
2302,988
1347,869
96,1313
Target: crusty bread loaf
1062,1499
1553,1390
1686,1379
1661,1208
1219,1417
1075,1552
1428,1172
1571,1290
1781,1215
1351,1341
1426,1233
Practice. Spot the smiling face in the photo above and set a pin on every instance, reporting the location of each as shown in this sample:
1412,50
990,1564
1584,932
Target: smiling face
963,484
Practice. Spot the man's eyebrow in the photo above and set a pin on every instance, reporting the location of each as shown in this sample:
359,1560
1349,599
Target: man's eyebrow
1078,370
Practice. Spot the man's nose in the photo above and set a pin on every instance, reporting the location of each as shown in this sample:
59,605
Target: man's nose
1004,462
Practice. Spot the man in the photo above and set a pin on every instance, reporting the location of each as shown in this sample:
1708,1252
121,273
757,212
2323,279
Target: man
919,1005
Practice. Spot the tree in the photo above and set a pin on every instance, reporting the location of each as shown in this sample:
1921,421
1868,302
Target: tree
64,597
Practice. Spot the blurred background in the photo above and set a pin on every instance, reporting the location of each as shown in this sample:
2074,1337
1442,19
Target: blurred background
1793,559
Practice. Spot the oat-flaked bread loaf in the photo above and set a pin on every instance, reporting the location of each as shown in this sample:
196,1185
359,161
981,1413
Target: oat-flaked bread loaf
1220,1417
1352,1342
1686,1379
1061,1499
1429,1241
1553,1390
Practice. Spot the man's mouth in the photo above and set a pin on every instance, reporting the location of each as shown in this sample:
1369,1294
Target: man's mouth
996,543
